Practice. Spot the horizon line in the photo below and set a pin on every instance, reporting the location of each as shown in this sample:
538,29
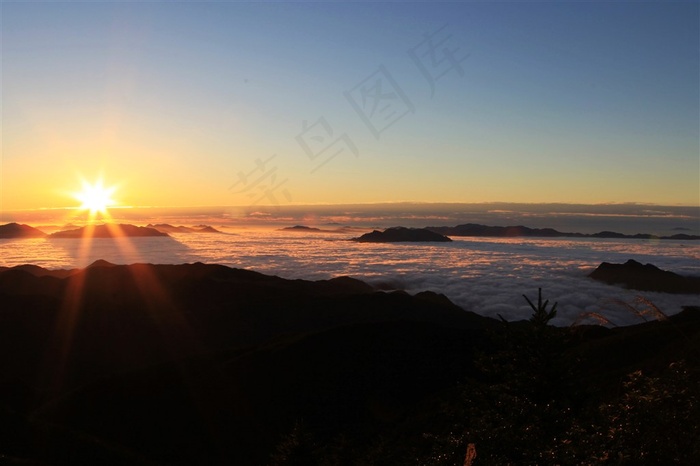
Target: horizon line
378,203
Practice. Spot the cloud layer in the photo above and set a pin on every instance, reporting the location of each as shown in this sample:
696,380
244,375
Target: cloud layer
486,276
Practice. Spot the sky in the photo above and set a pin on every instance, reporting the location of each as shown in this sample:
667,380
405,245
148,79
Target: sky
223,103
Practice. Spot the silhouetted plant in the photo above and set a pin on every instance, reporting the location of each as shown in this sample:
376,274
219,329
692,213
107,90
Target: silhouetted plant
541,316
640,307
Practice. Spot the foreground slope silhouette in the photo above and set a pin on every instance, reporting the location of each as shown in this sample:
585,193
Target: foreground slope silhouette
205,364
148,356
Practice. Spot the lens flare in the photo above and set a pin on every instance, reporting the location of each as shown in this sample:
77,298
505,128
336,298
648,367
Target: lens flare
95,198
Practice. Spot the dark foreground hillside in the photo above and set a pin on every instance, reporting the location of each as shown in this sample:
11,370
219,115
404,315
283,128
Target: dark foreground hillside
204,364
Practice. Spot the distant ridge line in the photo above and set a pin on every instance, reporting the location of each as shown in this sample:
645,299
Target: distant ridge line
475,229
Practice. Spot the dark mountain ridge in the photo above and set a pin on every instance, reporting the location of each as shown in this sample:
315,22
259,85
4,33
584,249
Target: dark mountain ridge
474,229
16,230
636,276
167,228
108,231
205,364
402,234
300,228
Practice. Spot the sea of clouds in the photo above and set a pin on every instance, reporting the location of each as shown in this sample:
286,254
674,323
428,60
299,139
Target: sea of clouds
484,275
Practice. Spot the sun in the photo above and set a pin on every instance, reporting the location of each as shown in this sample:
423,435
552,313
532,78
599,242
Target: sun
95,198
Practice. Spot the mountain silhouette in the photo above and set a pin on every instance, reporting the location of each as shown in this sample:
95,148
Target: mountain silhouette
108,231
301,228
205,364
402,234
167,228
475,229
634,275
16,230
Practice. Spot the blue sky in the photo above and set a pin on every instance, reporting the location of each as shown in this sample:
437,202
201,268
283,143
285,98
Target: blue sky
551,102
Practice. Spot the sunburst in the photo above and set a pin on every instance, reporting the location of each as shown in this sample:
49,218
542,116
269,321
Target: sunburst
95,198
